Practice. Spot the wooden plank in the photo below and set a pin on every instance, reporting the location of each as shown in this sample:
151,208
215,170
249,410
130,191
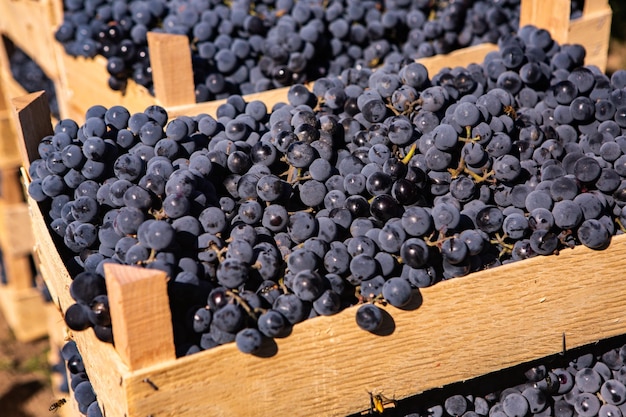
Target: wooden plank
552,15
85,84
24,312
19,271
136,298
593,30
57,336
16,236
270,98
11,190
592,6
460,58
104,366
32,118
169,55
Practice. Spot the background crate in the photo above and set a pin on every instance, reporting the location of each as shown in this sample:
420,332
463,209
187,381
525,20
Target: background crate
592,30
21,302
430,347
31,25
85,81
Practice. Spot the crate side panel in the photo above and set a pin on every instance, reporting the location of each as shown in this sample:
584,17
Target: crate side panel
593,31
86,82
16,237
463,328
460,58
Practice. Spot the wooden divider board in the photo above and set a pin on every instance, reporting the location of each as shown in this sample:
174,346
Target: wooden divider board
460,329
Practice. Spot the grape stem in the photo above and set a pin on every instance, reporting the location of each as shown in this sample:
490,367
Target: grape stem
505,248
252,312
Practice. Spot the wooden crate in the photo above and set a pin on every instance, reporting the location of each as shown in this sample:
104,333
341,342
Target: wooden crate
456,330
21,303
85,80
592,30
31,24
9,87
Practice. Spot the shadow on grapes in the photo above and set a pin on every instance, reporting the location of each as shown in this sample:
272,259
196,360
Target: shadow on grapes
387,327
268,348
415,302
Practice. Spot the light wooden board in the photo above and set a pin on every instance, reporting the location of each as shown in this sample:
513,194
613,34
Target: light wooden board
592,30
85,83
16,236
460,329
25,312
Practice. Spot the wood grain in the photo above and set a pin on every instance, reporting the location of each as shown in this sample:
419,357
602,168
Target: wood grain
172,73
31,25
592,30
137,296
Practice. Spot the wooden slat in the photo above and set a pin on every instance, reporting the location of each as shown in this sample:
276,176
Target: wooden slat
85,84
137,296
592,6
169,55
24,312
553,15
593,30
19,271
11,190
32,118
460,58
57,336
16,236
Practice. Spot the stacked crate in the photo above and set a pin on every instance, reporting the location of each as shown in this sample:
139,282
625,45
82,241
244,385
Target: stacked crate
22,303
140,376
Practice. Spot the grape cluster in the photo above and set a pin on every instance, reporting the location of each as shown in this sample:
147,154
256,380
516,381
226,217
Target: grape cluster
371,185
250,46
79,381
29,74
591,384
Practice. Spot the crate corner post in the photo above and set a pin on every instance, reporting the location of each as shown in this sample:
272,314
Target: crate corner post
136,300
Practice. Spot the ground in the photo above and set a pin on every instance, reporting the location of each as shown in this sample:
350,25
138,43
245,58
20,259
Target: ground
25,386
